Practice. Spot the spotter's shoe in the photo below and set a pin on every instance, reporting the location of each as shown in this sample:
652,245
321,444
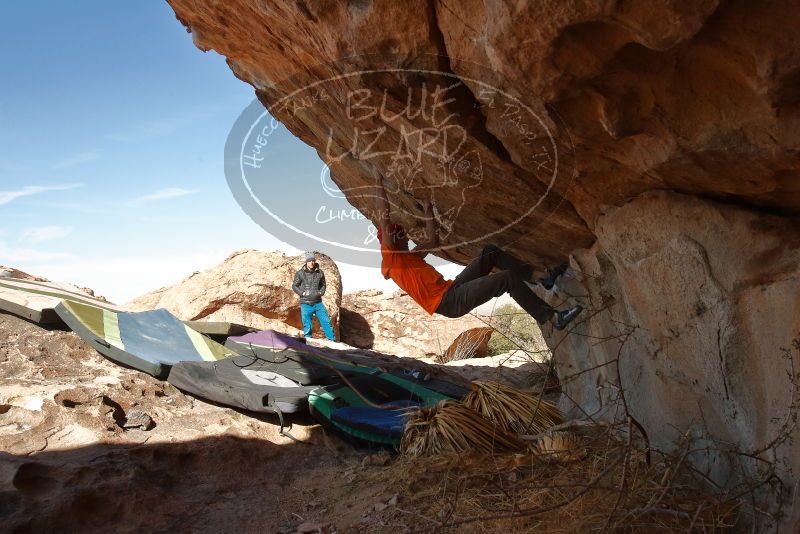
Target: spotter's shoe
564,317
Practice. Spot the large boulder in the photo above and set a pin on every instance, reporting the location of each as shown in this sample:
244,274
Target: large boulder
250,287
394,323
701,99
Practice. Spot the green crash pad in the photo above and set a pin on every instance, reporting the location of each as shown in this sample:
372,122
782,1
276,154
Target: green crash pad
329,405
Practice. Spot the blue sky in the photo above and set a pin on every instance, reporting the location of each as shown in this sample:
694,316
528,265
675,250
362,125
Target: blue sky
111,149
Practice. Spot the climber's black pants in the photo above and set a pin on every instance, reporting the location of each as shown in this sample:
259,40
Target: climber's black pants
476,285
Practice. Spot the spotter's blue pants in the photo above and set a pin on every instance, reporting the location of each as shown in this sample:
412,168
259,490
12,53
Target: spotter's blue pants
308,311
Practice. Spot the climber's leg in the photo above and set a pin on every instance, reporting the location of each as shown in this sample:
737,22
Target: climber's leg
550,280
463,298
489,258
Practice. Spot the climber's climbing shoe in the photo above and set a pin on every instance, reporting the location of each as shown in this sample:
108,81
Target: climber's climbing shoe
550,280
564,317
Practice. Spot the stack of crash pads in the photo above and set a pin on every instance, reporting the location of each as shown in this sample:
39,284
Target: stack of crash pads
150,341
241,382
306,364
36,301
292,357
276,373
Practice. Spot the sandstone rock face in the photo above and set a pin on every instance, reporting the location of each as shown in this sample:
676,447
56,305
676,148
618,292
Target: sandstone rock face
250,287
395,324
694,311
700,100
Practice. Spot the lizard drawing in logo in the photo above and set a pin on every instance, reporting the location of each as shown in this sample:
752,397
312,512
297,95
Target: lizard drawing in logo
447,189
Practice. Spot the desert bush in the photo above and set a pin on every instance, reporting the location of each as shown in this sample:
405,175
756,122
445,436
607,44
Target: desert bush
514,330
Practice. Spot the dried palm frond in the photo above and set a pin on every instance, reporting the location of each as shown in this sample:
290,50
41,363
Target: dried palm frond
452,427
561,447
513,410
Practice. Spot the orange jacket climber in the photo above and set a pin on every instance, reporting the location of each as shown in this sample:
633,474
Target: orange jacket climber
475,285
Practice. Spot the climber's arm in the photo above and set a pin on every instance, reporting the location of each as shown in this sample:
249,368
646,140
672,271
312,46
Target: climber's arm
431,233
382,220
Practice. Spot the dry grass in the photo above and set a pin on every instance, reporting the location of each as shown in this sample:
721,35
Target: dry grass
609,486
560,447
452,427
513,410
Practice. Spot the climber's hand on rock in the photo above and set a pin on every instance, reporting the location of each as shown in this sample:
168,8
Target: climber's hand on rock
427,206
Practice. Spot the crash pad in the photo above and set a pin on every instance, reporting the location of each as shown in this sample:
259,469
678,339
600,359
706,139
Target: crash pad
387,420
36,301
291,357
241,382
366,427
220,331
151,341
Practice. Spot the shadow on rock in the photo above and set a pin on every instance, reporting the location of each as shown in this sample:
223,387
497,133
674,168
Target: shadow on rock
355,330
207,484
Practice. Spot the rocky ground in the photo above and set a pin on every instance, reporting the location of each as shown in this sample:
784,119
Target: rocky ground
88,445
69,462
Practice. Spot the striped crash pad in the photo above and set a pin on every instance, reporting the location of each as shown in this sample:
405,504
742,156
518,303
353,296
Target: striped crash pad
36,301
220,331
342,407
151,341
